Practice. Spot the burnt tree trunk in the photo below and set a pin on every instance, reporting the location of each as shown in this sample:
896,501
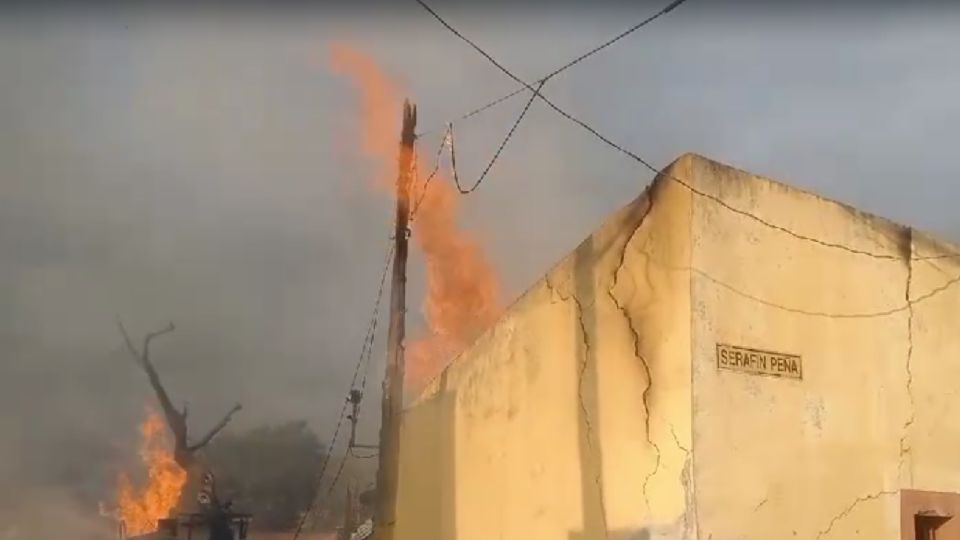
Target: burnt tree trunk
185,453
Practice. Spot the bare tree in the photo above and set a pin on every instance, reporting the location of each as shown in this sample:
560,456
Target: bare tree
184,451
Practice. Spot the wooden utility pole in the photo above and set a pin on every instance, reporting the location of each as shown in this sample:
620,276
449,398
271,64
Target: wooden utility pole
389,459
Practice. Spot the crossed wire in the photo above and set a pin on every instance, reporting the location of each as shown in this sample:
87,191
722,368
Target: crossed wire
536,93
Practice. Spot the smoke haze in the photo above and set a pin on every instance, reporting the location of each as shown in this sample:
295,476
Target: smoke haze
203,168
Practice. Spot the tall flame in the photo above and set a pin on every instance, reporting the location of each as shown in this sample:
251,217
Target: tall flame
140,509
462,293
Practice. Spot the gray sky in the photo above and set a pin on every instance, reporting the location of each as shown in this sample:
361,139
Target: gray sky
201,168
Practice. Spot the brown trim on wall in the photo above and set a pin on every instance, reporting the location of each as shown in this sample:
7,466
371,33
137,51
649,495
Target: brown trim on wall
929,515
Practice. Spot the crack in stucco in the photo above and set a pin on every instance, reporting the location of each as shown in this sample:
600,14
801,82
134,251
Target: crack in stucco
846,511
676,440
555,292
645,397
583,369
908,424
656,448
583,365
585,413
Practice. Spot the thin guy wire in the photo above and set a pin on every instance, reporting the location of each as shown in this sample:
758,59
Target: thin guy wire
436,169
326,495
365,360
376,315
323,468
371,329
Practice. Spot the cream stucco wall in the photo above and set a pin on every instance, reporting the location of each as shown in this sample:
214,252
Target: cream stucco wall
779,269
595,409
548,427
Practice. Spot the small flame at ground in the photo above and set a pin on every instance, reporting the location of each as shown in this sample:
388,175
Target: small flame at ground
140,509
462,289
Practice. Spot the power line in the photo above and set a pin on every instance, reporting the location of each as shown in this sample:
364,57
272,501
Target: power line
951,282
436,168
620,148
467,40
492,104
448,139
323,468
535,91
326,495
496,155
833,315
659,171
852,315
749,215
376,315
670,7
362,362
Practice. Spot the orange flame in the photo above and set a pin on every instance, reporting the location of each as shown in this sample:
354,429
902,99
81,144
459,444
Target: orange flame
141,509
462,293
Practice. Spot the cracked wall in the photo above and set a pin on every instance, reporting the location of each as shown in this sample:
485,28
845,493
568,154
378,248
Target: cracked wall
866,307
571,417
933,436
595,409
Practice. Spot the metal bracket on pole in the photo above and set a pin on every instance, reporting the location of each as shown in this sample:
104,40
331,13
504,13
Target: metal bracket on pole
354,399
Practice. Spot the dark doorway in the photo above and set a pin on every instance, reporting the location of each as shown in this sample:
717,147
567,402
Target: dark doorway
929,515
925,527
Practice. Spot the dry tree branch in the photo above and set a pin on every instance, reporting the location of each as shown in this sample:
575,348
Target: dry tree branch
176,420
126,340
149,337
216,429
